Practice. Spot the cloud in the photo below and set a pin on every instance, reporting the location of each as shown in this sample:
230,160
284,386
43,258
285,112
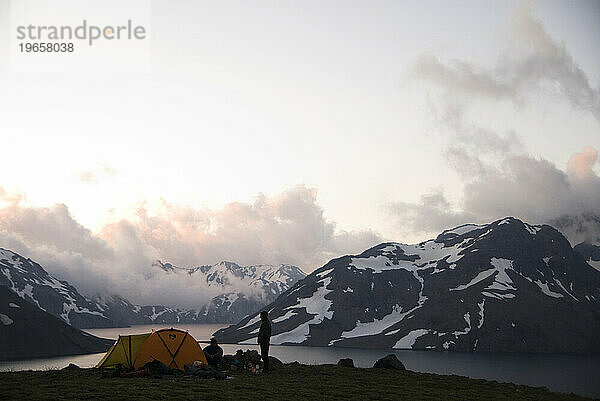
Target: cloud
535,189
500,178
288,227
96,173
581,165
433,213
535,62
469,140
526,187
462,77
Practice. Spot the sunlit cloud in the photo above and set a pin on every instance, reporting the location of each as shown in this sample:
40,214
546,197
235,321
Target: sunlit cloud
285,228
96,173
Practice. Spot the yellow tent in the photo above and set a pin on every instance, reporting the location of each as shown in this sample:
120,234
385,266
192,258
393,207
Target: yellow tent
175,348
123,352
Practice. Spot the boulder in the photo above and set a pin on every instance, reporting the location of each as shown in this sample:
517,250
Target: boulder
347,362
389,362
274,362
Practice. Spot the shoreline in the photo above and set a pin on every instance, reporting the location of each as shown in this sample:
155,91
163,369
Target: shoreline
561,373
289,381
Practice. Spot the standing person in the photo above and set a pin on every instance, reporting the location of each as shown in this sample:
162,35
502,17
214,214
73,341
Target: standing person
264,338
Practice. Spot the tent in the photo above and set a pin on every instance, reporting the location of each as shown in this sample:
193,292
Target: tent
175,348
123,352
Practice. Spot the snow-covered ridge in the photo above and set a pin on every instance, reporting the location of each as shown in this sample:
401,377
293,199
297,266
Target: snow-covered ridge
242,290
454,292
250,280
32,283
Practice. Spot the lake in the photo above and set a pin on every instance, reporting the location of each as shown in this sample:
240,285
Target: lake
562,373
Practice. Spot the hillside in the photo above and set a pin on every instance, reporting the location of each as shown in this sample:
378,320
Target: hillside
28,332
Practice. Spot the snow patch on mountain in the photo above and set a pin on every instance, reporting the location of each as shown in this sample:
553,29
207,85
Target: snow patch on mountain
252,321
502,281
560,284
480,277
594,263
467,317
378,325
286,316
426,254
7,321
324,273
408,340
465,228
481,306
316,305
533,230
72,307
547,291
156,314
230,299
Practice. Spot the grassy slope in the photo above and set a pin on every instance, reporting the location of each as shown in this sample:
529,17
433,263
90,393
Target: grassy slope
298,382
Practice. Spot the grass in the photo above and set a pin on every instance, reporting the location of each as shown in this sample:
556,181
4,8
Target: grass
289,382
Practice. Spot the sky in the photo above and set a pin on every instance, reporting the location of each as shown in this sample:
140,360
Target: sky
292,132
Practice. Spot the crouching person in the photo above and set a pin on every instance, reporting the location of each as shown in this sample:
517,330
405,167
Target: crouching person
213,353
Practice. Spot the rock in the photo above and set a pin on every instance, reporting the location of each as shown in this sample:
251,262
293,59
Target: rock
347,362
389,362
71,366
274,362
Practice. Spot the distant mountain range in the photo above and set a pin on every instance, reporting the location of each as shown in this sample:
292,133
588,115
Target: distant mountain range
254,287
507,286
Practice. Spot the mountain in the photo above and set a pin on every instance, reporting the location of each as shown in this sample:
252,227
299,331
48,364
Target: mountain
590,253
26,331
32,283
263,281
244,290
507,286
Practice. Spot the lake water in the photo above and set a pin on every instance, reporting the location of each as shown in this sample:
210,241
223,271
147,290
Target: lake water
562,373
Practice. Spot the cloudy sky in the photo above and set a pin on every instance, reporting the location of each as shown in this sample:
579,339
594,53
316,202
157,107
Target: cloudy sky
292,132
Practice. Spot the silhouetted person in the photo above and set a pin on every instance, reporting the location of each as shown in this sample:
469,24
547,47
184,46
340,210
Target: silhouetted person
264,339
213,353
